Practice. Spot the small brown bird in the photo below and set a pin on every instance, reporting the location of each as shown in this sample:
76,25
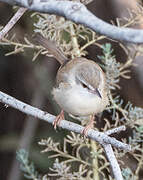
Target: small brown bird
81,85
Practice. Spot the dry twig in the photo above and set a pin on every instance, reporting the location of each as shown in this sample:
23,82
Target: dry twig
12,22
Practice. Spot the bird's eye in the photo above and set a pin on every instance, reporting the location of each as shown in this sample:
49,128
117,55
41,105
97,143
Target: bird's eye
84,85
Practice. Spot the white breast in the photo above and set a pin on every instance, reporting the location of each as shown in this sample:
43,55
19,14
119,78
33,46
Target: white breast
78,101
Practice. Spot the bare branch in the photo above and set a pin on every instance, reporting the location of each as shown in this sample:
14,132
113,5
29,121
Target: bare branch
113,161
78,13
37,113
12,22
115,130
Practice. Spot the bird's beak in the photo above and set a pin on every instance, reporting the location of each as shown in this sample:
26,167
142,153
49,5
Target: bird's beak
98,93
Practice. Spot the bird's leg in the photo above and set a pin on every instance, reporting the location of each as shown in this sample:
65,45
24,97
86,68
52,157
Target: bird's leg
58,119
88,126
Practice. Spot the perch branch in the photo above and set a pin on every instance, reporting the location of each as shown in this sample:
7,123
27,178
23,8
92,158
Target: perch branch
37,113
100,137
78,13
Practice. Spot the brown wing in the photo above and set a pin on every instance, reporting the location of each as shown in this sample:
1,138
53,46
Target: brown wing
89,72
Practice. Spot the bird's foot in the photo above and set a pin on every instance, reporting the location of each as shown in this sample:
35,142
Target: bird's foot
88,127
58,119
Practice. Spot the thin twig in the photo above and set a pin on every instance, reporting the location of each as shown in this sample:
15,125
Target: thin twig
115,130
74,41
12,22
113,161
95,166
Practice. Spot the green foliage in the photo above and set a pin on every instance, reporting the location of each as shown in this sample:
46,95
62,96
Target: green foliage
114,70
26,166
127,174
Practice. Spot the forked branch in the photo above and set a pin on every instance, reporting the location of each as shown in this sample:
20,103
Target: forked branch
102,138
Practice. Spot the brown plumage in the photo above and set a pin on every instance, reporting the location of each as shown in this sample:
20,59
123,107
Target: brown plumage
80,85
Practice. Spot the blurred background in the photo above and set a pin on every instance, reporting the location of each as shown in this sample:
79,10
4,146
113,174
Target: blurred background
32,81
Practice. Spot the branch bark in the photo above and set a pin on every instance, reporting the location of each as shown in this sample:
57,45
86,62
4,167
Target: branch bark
78,13
37,113
113,161
12,22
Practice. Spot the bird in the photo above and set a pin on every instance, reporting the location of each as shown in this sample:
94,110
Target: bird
81,88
